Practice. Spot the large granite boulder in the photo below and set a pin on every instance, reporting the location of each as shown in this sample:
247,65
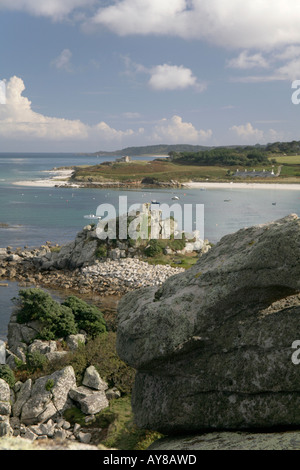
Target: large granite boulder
48,397
213,346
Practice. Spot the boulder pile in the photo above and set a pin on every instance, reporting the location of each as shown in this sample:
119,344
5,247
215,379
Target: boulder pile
34,409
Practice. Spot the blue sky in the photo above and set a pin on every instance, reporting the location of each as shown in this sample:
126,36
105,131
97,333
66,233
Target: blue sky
88,75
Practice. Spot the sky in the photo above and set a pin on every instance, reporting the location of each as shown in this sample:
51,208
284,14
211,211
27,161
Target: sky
91,75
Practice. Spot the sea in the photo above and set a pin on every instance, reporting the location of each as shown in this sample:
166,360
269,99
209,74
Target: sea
35,215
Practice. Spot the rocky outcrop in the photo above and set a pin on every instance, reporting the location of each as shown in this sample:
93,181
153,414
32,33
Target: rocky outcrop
87,248
48,397
22,340
34,410
212,346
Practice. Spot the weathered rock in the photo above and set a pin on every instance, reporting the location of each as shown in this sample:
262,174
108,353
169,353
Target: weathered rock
11,360
2,353
5,407
43,347
18,334
46,429
93,380
90,401
85,438
73,341
49,396
22,396
113,393
30,435
56,355
210,351
5,428
230,441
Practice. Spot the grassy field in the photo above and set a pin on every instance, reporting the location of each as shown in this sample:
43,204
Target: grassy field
164,171
288,160
137,171
290,167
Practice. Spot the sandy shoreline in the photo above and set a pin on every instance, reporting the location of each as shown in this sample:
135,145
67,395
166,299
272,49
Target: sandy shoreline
205,185
60,177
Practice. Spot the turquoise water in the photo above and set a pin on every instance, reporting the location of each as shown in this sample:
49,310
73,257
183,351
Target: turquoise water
37,215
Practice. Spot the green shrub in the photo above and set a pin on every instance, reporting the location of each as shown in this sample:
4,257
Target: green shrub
87,317
101,251
35,361
177,244
101,353
7,374
49,385
57,320
55,249
153,249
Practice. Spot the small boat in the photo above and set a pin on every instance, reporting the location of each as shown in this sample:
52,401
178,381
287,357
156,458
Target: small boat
227,200
92,217
155,202
274,203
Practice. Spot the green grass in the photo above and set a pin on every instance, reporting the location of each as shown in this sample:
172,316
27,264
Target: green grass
122,433
290,171
55,249
176,261
288,160
138,170
117,425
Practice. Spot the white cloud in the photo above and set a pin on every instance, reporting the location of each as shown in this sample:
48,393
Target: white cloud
289,71
174,130
288,53
260,24
139,16
63,61
231,23
55,9
164,77
109,133
246,61
173,77
18,121
250,134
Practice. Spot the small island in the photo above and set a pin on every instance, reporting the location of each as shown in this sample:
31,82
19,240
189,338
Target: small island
273,163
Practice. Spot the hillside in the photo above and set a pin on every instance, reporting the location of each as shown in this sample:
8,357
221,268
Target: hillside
162,149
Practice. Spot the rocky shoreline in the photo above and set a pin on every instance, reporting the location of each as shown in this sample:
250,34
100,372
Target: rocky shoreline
110,277
90,265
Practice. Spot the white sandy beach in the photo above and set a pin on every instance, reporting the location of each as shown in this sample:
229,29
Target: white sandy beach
62,176
59,177
231,185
